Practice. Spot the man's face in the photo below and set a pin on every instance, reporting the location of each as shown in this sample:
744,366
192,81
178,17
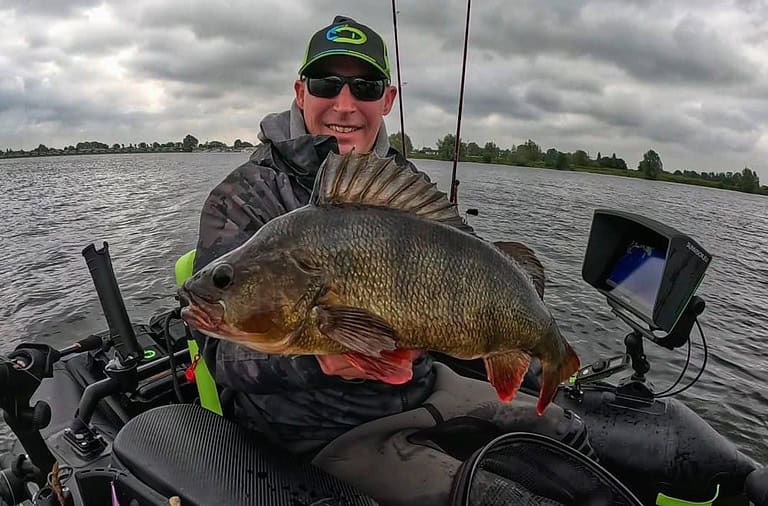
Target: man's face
355,123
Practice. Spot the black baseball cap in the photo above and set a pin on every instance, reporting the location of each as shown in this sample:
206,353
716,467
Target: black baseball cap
345,36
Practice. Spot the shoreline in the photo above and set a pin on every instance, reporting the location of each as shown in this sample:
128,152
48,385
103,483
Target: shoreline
665,176
122,151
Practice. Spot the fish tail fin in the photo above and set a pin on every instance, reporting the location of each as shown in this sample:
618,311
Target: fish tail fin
555,372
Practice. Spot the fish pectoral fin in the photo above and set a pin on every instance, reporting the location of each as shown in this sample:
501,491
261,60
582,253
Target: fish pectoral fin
528,260
356,329
506,372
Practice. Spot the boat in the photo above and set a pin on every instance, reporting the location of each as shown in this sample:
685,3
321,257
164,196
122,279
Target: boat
125,417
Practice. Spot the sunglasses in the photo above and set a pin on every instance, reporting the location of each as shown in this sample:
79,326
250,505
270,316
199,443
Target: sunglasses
362,89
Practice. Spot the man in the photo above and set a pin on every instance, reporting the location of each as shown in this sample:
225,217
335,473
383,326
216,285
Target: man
341,97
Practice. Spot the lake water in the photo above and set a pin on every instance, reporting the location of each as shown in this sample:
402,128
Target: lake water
147,208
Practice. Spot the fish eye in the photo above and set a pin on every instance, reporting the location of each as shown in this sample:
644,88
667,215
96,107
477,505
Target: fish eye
223,275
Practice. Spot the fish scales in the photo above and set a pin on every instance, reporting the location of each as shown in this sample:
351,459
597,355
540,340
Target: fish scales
377,265
438,287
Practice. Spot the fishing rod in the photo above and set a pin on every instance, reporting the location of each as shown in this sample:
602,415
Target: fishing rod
457,143
399,85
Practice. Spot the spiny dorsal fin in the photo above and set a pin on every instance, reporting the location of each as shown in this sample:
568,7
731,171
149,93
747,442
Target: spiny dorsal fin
527,259
367,179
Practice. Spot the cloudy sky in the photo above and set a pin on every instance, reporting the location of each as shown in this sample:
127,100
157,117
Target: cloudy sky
688,78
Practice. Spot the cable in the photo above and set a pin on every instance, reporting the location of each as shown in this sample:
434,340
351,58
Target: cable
169,349
703,365
680,376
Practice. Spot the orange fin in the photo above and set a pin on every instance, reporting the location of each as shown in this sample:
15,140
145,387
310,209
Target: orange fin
552,376
356,329
506,372
393,367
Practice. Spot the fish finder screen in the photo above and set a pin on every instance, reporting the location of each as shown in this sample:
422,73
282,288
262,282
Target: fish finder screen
636,277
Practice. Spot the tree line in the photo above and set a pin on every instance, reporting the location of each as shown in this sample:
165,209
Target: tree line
530,154
187,144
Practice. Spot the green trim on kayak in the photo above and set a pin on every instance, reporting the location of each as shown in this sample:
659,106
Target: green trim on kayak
665,500
184,267
206,386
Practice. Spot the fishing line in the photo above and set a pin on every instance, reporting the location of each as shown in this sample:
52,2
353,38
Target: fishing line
701,370
457,144
399,84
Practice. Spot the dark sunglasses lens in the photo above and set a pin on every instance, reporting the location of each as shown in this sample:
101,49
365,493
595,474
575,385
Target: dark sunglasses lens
325,87
364,89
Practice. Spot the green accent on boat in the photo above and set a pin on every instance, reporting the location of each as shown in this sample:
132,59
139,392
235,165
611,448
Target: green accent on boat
149,354
184,267
665,500
206,386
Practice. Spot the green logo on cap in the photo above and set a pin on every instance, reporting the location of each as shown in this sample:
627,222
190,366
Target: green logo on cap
353,35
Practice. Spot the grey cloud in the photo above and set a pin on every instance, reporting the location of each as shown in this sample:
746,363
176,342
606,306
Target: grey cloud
100,41
692,52
545,99
726,117
221,65
481,102
48,8
622,76
264,27
35,103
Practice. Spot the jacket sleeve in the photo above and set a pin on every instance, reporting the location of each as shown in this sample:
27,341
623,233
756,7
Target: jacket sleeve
245,200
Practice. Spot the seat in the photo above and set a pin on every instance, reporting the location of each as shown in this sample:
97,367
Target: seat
188,451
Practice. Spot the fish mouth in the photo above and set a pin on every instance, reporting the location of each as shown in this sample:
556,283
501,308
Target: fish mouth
203,314
207,316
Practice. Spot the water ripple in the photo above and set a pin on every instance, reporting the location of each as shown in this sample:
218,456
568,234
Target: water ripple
147,207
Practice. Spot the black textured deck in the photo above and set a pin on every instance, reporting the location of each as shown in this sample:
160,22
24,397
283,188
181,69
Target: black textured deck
188,451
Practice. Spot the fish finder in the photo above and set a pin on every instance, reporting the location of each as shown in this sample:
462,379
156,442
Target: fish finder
649,272
643,267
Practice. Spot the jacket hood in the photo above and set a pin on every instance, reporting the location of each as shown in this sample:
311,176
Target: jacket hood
299,153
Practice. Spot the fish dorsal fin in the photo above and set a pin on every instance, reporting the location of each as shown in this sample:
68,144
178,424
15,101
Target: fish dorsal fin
367,179
527,259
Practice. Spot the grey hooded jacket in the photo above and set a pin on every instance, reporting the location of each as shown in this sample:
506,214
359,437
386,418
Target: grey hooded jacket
288,398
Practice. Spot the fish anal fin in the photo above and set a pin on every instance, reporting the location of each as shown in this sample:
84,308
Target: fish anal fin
528,260
392,367
369,180
355,328
506,372
553,374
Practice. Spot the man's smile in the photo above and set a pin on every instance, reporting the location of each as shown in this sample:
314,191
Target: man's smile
344,129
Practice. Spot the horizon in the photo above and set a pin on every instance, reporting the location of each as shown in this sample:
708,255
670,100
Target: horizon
150,144
687,80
